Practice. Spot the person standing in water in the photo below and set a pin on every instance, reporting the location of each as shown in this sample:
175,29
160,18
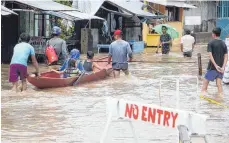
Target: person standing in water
217,51
18,64
119,51
165,41
58,44
187,44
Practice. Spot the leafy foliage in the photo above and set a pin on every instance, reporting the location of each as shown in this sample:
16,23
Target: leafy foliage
66,33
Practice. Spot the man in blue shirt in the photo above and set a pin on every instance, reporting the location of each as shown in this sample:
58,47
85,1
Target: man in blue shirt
119,51
18,65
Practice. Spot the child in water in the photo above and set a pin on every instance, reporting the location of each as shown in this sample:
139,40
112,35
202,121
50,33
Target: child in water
71,70
89,65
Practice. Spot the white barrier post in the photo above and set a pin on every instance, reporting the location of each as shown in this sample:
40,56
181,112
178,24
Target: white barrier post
113,110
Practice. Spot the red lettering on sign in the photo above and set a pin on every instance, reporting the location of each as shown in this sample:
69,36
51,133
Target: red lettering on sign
135,112
166,118
151,115
132,112
144,108
129,110
174,118
160,112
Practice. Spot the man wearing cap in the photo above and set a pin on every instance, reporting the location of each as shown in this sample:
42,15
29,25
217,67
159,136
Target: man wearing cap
58,44
119,51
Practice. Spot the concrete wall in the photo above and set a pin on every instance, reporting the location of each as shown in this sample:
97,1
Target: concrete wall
95,34
203,37
207,11
145,31
132,33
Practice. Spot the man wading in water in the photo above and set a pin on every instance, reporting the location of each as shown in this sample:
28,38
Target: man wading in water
165,41
58,44
119,51
217,51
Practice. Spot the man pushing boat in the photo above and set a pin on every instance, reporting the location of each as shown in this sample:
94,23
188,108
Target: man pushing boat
119,51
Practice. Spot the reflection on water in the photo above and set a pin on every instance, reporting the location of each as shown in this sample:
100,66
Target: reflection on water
77,114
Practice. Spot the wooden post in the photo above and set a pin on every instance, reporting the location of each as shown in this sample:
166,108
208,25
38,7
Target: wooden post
199,64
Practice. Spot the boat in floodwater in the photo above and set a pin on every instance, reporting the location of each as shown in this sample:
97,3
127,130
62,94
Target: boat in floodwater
54,80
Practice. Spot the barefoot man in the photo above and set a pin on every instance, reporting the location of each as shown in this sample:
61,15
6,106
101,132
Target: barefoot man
18,65
119,51
217,51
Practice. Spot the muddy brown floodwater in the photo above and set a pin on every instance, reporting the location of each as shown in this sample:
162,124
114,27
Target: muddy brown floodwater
77,114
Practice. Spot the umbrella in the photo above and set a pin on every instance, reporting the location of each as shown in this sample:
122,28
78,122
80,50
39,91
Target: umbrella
170,30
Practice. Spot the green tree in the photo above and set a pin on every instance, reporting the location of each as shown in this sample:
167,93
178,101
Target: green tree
66,33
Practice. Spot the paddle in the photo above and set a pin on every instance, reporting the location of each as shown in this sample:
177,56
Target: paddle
213,101
154,62
78,79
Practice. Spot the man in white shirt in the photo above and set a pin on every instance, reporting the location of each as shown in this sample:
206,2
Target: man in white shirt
187,44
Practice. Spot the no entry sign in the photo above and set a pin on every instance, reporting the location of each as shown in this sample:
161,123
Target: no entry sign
155,115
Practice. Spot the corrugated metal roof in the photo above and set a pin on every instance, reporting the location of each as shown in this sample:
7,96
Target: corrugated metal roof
62,15
6,11
180,4
59,10
81,15
46,5
172,3
88,6
133,7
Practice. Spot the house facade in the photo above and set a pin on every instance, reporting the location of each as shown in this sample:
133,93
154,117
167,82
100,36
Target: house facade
207,11
174,12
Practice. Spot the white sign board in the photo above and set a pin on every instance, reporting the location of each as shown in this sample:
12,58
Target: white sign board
192,20
157,115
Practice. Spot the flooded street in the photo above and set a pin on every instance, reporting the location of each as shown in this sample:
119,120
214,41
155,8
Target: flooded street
78,114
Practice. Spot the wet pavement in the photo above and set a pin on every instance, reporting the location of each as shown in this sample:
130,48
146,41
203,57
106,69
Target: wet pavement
77,114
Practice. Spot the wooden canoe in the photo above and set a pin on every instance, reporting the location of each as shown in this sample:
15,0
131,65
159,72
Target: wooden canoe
54,80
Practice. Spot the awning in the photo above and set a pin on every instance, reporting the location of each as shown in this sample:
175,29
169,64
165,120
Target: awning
6,11
61,15
81,15
59,10
46,5
172,3
135,8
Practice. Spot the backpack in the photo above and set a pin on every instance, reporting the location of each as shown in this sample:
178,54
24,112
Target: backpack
51,54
